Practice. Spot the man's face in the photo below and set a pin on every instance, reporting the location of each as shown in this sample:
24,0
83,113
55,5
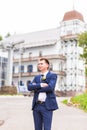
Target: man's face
42,65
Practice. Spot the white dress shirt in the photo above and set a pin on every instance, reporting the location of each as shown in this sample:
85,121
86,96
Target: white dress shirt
42,96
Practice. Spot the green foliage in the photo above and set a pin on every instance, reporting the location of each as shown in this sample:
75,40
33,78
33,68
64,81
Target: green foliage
1,38
81,100
86,71
82,41
65,101
8,35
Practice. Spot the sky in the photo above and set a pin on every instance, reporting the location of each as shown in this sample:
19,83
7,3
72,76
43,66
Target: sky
24,16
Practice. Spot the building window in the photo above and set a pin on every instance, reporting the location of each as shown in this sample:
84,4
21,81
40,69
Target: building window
2,83
28,82
40,53
3,75
51,66
30,68
3,65
30,54
13,69
5,60
21,69
69,32
20,83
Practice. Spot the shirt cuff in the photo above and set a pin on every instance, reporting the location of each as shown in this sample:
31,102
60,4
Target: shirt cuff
41,84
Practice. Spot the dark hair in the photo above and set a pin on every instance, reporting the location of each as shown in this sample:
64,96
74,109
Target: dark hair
46,60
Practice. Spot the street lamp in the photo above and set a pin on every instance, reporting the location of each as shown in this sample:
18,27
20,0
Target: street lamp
21,51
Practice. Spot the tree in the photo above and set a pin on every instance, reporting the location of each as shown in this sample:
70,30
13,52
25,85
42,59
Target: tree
86,71
82,41
8,35
1,38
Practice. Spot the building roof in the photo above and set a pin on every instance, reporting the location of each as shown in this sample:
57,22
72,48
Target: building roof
70,15
33,39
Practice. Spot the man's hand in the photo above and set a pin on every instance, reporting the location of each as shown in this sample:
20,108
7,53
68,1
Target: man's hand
44,84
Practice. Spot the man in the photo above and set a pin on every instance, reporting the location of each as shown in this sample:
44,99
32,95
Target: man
44,101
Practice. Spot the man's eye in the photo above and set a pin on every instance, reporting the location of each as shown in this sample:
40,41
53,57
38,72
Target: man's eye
39,64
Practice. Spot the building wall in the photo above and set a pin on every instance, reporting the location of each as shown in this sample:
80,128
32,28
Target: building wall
47,51
70,70
74,26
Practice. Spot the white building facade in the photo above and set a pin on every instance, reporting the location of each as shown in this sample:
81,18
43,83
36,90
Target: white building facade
60,46
3,67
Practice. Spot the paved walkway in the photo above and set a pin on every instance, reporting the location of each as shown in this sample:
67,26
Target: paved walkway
16,114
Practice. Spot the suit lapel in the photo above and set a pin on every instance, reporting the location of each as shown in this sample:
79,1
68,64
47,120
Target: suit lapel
47,76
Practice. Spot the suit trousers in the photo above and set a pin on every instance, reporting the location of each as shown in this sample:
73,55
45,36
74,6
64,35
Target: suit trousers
42,117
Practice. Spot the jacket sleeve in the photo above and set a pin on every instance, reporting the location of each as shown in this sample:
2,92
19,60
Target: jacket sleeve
33,85
51,84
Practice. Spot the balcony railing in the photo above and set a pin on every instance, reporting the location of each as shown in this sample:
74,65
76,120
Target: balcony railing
69,37
27,74
35,58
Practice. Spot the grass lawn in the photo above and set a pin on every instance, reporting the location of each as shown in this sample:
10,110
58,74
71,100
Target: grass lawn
79,101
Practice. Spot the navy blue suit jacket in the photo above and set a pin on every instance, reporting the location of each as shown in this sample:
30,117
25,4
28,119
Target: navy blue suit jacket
51,78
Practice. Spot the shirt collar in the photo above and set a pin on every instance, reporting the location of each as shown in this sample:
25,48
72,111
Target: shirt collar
45,73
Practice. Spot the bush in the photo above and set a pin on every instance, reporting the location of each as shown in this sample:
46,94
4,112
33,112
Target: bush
8,90
81,100
65,101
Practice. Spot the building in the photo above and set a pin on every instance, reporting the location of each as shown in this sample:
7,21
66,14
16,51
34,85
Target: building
3,67
60,46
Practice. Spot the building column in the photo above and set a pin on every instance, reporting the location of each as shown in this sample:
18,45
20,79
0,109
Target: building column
9,68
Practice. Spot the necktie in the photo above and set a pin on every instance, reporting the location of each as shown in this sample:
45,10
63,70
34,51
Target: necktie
43,78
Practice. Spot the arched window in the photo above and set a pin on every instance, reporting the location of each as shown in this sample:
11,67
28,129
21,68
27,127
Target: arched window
30,68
